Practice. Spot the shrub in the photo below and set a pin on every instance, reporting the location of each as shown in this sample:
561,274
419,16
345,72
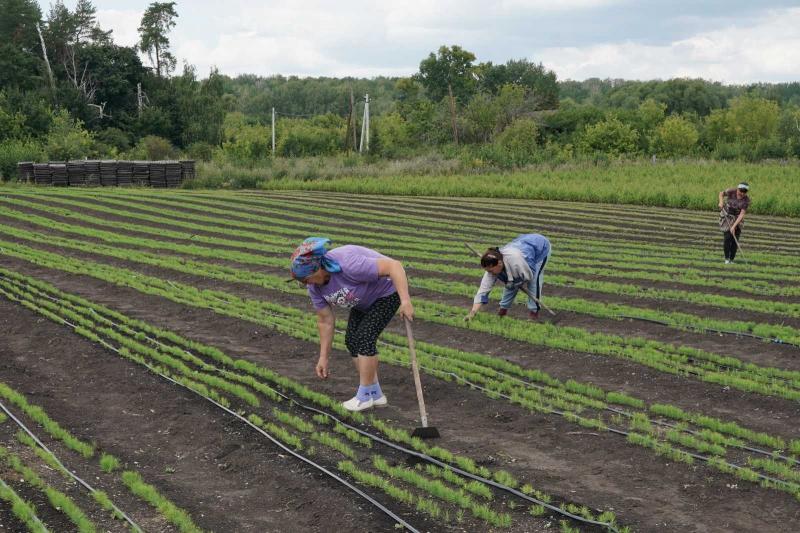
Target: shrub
771,148
115,138
12,151
319,136
154,148
520,138
391,135
610,136
676,136
67,138
200,150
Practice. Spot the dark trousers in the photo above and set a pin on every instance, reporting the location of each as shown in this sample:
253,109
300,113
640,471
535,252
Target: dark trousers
730,244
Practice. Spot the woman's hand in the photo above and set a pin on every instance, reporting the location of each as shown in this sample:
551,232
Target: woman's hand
721,205
322,368
469,316
406,310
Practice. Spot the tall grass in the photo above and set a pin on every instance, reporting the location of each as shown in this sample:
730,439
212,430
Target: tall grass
693,184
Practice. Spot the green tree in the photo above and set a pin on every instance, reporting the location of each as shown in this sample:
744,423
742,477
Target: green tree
511,102
157,21
520,137
752,119
451,68
12,124
20,63
789,129
676,136
480,118
391,135
611,137
67,138
539,84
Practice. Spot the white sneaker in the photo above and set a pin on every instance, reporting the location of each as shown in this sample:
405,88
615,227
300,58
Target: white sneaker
354,404
380,402
727,261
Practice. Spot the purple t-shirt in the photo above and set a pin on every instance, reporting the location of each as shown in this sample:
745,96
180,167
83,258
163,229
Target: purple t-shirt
358,285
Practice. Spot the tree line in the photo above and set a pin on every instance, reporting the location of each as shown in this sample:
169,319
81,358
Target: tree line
67,90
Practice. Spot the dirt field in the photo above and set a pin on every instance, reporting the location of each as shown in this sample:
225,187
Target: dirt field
229,478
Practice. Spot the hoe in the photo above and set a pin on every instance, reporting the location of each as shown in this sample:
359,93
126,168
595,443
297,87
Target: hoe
424,432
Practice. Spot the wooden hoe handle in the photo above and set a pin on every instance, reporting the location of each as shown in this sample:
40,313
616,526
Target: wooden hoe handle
423,414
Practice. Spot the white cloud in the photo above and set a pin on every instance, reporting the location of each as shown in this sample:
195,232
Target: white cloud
554,5
124,23
765,50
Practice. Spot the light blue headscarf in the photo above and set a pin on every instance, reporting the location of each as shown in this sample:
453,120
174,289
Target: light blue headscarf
310,257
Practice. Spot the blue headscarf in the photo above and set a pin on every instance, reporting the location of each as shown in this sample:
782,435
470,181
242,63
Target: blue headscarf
310,257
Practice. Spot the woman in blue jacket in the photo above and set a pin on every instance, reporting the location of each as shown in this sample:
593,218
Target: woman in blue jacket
519,263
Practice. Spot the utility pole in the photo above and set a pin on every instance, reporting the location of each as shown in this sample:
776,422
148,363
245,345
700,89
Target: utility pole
273,132
365,127
46,61
453,113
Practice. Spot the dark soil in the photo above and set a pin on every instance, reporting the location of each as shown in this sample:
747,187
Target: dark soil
599,470
223,473
230,479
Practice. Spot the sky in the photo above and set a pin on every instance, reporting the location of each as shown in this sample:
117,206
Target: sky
731,41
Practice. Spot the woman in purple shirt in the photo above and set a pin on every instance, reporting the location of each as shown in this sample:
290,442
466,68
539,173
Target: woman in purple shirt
374,287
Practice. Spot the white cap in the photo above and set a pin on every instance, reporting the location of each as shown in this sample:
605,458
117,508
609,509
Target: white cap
744,186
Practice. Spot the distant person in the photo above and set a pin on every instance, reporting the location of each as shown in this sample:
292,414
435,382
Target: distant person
519,263
733,204
374,287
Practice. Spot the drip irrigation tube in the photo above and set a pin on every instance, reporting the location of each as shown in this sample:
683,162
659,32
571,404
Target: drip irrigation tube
275,441
773,340
376,438
693,432
464,473
32,515
626,433
453,375
63,468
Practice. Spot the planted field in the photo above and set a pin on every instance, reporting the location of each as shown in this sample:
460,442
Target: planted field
154,348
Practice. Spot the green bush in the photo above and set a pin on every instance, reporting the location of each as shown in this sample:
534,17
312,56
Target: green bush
391,135
200,151
67,139
115,138
246,146
611,137
12,151
153,148
318,136
676,136
771,148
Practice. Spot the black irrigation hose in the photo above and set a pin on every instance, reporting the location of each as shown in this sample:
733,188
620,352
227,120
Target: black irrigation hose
626,433
479,478
33,515
418,454
275,441
712,330
63,468
607,408
507,376
467,474
393,445
693,432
